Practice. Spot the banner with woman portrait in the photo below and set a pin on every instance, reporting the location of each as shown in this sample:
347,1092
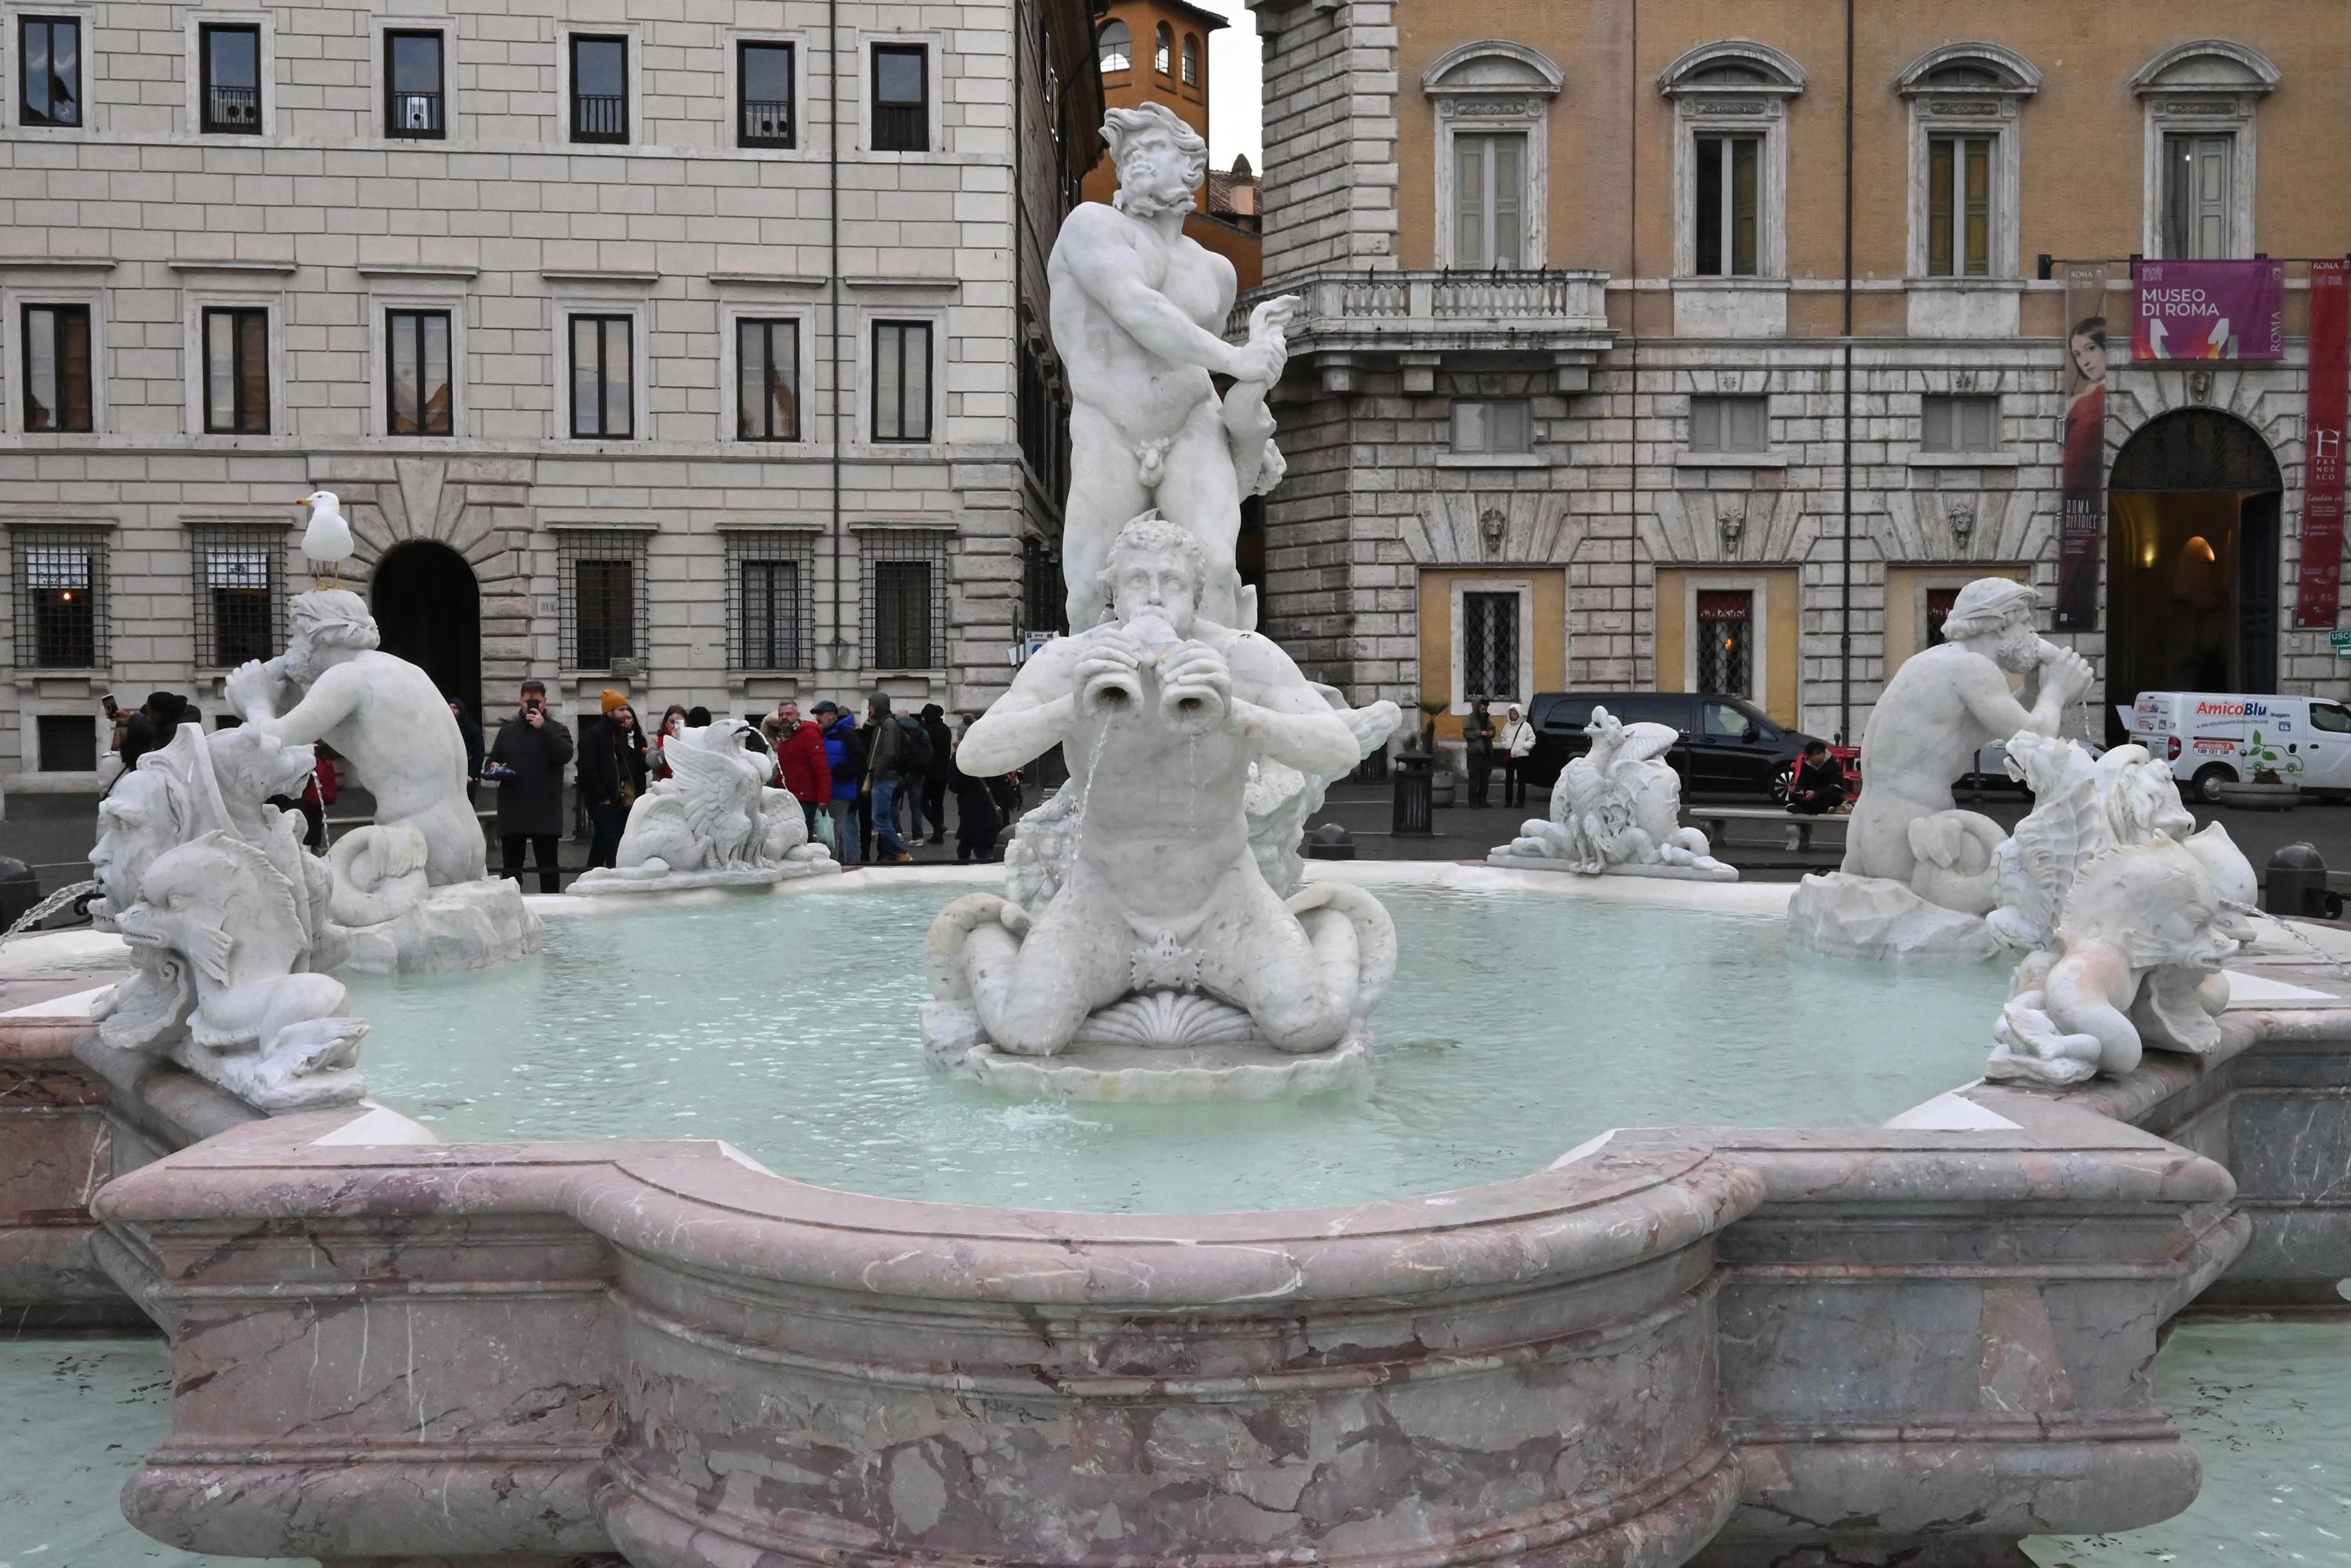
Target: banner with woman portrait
2319,593
2081,513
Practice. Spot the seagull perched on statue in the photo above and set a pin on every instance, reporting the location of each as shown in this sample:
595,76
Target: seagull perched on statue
327,540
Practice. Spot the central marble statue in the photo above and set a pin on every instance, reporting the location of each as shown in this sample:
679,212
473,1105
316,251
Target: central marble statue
1146,950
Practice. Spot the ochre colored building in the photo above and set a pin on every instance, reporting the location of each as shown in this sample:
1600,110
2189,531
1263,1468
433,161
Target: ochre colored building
1156,51
1667,344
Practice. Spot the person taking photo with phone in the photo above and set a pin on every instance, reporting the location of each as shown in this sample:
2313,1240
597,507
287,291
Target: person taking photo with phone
526,762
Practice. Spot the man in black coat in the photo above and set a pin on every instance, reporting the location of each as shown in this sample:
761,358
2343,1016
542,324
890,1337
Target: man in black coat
526,763
934,784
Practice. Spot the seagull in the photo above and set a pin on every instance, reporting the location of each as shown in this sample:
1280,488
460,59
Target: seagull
327,540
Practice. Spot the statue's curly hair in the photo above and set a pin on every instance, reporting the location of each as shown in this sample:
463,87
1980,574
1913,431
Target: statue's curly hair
1153,533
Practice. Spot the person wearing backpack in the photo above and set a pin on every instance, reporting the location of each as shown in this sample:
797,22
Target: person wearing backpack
882,765
934,781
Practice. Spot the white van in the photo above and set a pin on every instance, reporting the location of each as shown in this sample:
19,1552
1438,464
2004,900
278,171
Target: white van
2211,739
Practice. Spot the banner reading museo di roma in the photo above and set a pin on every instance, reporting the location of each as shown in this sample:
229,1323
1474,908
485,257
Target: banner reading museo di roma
2082,514
2320,593
2208,310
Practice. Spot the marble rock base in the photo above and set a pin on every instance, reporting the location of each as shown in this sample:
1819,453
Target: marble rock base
603,881
1842,916
1709,870
463,926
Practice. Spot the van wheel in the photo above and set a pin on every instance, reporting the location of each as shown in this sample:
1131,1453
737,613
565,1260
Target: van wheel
2208,779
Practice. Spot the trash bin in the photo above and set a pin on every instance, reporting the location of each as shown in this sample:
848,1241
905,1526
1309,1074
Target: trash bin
2294,883
1415,777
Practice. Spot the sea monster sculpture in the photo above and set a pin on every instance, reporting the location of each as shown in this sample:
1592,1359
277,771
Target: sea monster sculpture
218,922
1618,808
712,822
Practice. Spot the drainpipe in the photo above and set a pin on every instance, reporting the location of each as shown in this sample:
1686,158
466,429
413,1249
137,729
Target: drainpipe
1633,310
1844,628
832,335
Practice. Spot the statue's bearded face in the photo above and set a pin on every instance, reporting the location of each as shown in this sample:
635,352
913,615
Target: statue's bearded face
1154,175
1156,584
2018,648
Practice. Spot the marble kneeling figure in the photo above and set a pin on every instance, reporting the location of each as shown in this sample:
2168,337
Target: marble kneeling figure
714,822
1158,928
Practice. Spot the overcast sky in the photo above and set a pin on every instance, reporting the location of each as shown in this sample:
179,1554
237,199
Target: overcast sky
1236,109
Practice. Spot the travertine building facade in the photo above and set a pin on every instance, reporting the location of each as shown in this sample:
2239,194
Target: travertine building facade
696,349
1649,343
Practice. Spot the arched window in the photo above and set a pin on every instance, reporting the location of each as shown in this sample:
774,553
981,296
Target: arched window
1115,45
1730,158
1191,59
1964,165
1163,53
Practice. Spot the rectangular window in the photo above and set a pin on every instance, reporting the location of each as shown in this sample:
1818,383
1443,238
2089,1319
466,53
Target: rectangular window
237,595
237,371
1959,425
1958,206
599,88
1496,425
1724,620
1730,205
766,381
1489,192
771,576
602,405
902,97
57,376
902,381
601,573
1940,602
60,598
49,50
2199,176
905,601
764,84
1489,647
1728,425
230,85
69,742
417,401
413,83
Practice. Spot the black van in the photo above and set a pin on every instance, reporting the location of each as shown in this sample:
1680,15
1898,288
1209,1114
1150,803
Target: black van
1728,745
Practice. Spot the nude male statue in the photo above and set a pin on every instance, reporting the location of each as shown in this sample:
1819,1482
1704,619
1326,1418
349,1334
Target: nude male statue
1940,707
1161,711
381,712
1138,316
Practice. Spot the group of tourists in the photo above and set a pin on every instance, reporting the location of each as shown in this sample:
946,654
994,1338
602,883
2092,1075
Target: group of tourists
868,789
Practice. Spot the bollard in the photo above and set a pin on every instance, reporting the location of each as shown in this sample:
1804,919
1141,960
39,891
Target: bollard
2295,884
1415,815
1330,843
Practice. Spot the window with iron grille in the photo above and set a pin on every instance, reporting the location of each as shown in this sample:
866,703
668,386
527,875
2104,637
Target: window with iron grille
412,86
599,88
601,572
60,598
237,371
230,62
239,595
69,742
601,403
1940,602
902,381
766,381
771,580
1726,621
56,367
763,74
902,97
1043,606
50,51
417,399
1489,647
905,600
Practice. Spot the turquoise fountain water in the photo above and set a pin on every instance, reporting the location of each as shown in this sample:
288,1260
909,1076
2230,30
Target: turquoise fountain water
1520,1025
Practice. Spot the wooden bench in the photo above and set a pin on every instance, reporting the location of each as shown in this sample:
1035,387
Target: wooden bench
1714,821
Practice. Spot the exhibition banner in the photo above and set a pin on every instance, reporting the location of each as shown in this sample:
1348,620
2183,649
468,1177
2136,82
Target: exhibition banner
2209,310
2320,590
2082,517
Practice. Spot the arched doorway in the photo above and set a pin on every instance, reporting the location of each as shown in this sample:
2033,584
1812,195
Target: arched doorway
429,609
2192,560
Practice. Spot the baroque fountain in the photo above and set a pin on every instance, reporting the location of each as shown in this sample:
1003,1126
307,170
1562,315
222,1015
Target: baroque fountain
1638,1235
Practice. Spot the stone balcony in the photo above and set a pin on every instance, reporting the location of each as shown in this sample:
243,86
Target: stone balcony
1350,322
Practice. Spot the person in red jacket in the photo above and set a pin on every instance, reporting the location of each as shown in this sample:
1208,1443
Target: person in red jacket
799,759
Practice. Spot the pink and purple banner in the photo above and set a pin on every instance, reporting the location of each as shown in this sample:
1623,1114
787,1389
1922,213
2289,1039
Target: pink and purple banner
2209,310
2320,590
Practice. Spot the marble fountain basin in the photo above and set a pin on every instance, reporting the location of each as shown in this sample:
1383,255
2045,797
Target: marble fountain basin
1425,1324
